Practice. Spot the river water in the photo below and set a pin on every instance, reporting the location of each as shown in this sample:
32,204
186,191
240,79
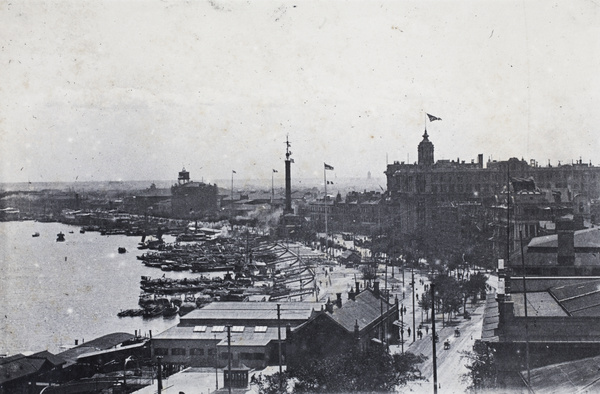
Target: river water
53,293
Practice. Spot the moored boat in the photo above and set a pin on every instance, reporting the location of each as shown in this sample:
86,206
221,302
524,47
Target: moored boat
171,311
60,237
36,234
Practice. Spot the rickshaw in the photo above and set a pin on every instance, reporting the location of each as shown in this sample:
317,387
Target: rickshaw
457,332
446,345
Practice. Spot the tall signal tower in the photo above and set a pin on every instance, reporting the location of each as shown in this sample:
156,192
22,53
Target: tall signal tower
288,178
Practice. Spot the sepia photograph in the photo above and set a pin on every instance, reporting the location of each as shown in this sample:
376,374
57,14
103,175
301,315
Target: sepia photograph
299,196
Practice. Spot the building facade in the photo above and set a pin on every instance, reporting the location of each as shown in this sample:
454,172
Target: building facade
365,319
193,200
417,191
200,338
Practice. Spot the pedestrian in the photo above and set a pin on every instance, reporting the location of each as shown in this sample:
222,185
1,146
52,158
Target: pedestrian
417,297
426,330
408,330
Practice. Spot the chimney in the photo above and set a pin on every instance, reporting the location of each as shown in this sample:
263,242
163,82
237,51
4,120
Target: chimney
480,160
565,228
376,288
357,284
338,302
76,342
351,295
329,306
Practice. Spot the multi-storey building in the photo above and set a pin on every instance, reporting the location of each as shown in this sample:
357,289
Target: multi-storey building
359,212
417,191
192,199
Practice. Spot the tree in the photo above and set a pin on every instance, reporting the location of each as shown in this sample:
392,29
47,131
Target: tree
482,375
449,294
477,284
372,370
425,303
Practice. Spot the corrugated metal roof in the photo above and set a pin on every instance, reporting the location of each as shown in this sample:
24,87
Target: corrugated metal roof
538,304
582,299
490,321
568,377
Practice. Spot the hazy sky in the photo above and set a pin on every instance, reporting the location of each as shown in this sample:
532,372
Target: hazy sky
134,90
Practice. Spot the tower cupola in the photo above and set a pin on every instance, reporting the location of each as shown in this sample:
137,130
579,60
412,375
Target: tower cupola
425,150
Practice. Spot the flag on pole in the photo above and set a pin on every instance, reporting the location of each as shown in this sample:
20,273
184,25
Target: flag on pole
233,171
328,167
432,118
274,170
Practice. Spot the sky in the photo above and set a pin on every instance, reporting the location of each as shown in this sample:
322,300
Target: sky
136,90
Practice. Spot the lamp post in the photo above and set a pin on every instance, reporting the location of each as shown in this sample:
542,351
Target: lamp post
413,304
433,341
216,363
231,205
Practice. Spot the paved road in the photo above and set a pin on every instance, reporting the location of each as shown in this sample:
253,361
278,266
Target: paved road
450,363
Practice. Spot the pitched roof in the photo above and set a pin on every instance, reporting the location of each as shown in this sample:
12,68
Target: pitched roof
248,337
588,238
568,377
101,343
19,365
256,311
15,367
364,310
581,299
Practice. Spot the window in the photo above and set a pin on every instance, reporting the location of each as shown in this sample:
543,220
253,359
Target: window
196,352
161,351
177,352
211,352
218,329
260,329
252,356
237,329
200,329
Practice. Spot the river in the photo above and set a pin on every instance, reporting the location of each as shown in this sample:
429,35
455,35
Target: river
53,293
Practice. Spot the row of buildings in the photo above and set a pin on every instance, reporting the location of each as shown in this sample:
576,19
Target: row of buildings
243,336
544,319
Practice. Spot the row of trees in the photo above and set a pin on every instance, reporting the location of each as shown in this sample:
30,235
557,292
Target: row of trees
452,294
371,370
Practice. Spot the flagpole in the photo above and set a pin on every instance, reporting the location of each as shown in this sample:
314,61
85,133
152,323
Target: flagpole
272,188
231,206
325,199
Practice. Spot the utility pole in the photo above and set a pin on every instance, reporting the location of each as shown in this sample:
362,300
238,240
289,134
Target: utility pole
159,374
433,334
413,304
216,363
402,326
526,320
279,341
229,358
